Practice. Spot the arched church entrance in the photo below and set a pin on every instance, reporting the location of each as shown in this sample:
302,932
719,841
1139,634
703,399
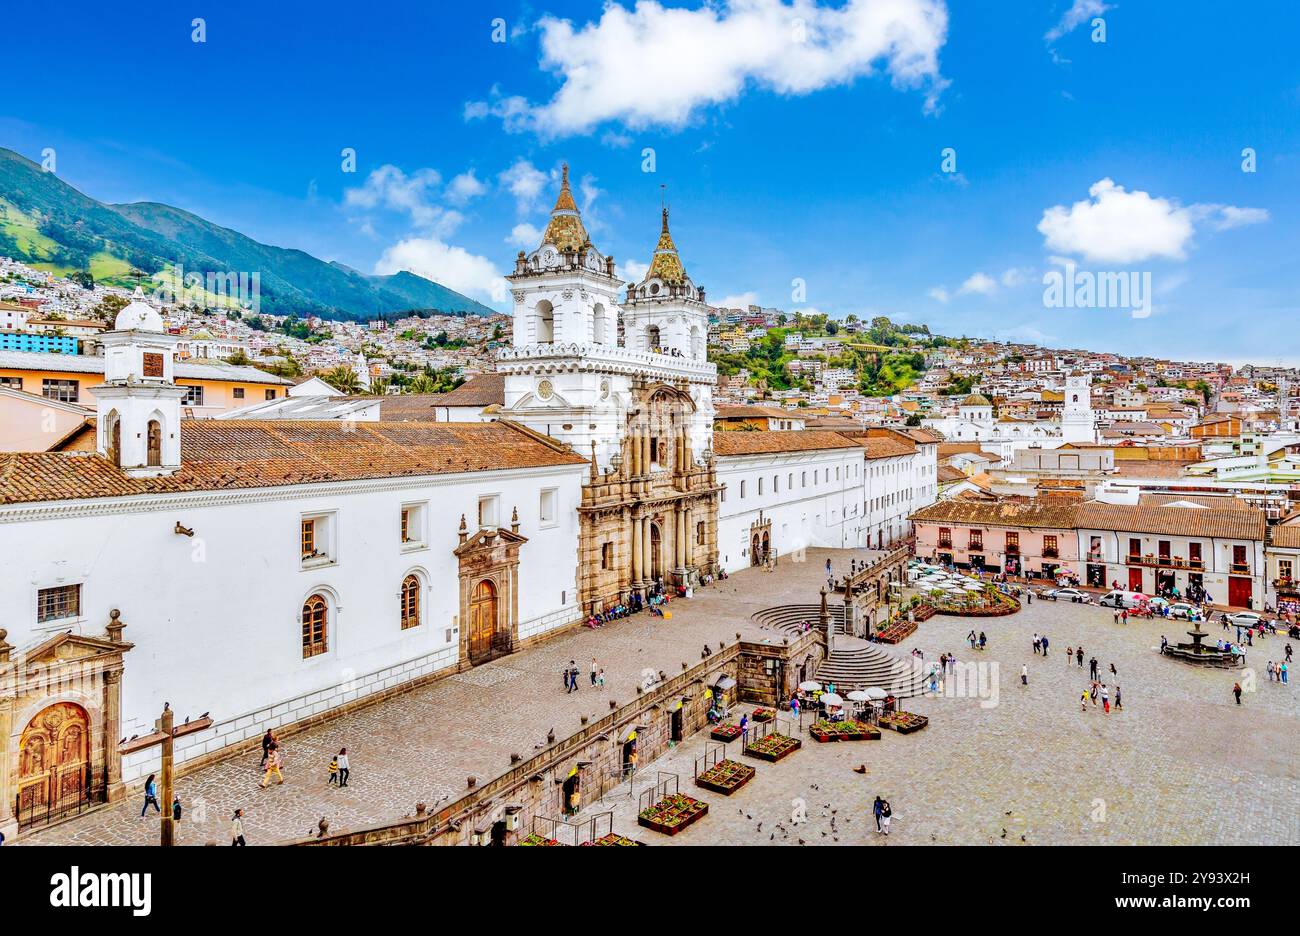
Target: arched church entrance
482,622
656,539
54,764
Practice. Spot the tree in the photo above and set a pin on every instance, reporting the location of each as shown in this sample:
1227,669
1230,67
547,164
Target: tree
109,306
343,379
239,358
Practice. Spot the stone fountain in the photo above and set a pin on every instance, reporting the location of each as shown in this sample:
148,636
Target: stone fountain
1198,654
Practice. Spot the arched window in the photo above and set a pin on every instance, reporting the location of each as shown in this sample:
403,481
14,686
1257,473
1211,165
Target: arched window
760,487
155,443
315,626
598,324
115,439
652,338
545,322
410,602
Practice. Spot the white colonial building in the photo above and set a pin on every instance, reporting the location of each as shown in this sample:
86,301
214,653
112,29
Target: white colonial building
975,421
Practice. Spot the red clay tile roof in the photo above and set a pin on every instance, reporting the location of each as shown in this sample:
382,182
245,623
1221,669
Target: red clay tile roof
483,390
1226,522
1049,514
737,411
886,447
220,454
773,443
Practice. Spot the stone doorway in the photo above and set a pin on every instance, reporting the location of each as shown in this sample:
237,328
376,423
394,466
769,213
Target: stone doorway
54,764
483,620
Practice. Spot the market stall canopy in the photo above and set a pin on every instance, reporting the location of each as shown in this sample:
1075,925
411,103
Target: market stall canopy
724,682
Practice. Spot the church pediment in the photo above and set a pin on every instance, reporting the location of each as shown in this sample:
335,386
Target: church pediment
491,541
68,647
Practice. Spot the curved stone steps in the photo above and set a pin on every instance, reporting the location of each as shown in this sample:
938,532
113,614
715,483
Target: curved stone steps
857,666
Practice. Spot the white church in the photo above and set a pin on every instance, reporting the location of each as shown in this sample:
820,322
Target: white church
975,421
259,573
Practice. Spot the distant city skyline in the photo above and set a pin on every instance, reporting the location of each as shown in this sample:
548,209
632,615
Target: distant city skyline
810,164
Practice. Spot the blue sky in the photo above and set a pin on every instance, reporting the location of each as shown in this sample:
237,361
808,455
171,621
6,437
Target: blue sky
794,141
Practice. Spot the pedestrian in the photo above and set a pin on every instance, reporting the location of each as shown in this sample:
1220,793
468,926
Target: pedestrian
343,768
571,677
1029,595
333,771
1078,656
594,670
1024,674
1124,616
828,568
983,640
1083,701
237,828
1119,702
794,705
1043,641
886,813
176,808
1105,699
150,796
1069,652
273,766
1092,668
1236,691
600,679
1113,671
876,808
267,740
1035,643
1117,615
1284,669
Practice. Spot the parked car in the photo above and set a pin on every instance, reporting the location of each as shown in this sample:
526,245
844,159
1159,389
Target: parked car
1065,594
1181,609
1245,619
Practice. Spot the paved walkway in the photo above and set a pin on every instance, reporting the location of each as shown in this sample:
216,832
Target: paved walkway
1181,764
422,745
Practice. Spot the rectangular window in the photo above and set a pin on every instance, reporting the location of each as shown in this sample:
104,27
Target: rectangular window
976,539
270,394
699,533
193,396
1284,569
11,383
55,604
1134,548
742,490
945,538
1050,549
547,513
309,539
1013,544
606,555
64,391
316,539
487,511
238,393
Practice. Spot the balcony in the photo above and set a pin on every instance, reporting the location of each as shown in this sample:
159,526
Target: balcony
1287,586
1051,552
1096,557
945,542
1165,562
1239,568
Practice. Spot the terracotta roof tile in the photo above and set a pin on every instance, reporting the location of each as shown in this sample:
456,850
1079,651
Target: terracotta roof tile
1050,514
218,454
786,440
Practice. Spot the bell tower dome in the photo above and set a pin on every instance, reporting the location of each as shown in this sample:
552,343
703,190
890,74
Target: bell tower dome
138,407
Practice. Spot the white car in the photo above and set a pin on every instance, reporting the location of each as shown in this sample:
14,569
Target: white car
1245,619
1065,594
1182,610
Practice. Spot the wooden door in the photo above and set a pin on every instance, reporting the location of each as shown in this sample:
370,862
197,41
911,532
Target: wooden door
482,621
1135,580
1239,592
53,759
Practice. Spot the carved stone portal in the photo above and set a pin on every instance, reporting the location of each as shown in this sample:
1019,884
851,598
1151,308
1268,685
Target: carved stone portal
489,593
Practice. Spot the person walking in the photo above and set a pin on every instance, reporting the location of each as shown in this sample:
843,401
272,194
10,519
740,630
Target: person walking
571,677
1042,642
333,771
876,808
274,763
150,796
1092,668
1036,644
594,670
1113,671
886,813
268,739
1024,674
1069,655
1119,702
600,679
1283,669
1105,699
1083,701
1236,691
343,768
237,828
176,808
1078,656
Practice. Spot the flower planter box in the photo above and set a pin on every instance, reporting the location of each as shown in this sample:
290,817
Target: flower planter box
725,732
536,839
725,777
897,632
923,612
773,747
613,838
673,813
903,722
825,731
763,715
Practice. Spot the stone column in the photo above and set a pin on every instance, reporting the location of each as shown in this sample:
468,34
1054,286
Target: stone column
636,551
689,514
647,555
645,450
8,761
113,789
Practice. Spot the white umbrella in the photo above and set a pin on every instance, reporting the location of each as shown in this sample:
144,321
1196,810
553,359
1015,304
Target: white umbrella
859,695
810,686
873,693
830,698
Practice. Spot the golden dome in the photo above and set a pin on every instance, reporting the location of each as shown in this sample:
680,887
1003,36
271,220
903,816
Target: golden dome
565,230
666,264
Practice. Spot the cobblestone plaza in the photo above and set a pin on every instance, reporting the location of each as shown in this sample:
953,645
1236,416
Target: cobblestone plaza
1180,764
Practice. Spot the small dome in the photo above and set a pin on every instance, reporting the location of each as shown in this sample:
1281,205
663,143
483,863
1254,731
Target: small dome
138,315
976,399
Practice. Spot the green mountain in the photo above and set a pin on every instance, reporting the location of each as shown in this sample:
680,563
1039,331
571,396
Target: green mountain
47,223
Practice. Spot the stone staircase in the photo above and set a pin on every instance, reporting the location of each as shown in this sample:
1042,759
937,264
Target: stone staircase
855,663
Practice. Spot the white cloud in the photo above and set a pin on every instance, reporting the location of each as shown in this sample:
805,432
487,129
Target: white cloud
1119,226
453,267
464,188
525,236
1013,277
391,189
633,271
938,293
658,66
980,283
737,301
525,182
1080,11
